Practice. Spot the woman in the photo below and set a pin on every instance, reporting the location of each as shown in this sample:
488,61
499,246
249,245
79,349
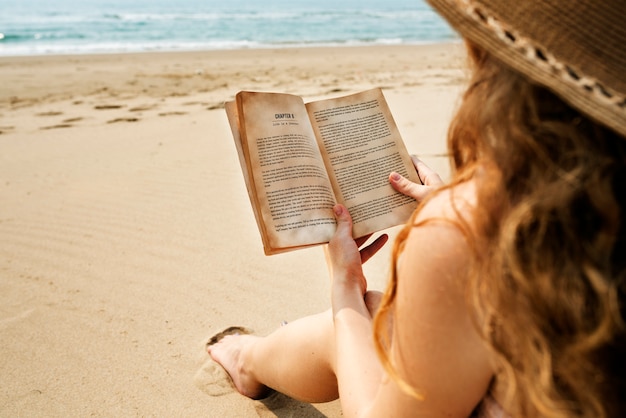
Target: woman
508,288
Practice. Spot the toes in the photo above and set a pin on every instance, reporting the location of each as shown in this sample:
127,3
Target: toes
234,330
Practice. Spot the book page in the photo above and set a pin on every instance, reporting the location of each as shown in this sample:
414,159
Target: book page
361,145
292,189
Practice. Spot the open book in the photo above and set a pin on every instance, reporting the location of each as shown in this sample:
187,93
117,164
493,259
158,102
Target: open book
299,159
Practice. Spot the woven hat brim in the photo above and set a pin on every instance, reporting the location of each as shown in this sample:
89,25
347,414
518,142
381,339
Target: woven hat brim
581,91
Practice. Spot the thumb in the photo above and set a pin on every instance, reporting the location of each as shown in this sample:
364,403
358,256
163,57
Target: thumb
344,220
343,234
407,187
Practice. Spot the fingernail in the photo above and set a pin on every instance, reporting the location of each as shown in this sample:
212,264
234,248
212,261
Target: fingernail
395,176
338,210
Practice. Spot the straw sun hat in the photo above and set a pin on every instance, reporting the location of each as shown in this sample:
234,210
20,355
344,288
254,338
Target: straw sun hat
576,48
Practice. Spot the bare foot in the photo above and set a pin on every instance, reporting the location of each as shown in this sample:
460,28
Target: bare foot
230,353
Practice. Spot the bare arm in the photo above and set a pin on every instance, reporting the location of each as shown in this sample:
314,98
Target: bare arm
356,359
434,345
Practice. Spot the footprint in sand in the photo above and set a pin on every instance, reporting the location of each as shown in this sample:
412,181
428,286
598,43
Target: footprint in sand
195,103
59,126
108,107
70,120
51,113
142,108
117,120
213,380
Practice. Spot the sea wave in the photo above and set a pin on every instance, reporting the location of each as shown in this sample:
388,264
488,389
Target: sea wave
128,47
120,26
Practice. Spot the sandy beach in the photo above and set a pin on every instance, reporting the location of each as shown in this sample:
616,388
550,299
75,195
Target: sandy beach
126,234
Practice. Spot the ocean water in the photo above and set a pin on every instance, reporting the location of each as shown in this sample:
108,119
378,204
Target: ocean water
33,27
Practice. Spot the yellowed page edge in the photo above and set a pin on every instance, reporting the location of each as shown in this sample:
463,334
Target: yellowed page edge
293,190
361,146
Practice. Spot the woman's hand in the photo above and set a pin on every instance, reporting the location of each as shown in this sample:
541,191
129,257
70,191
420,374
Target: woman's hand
356,365
430,181
344,254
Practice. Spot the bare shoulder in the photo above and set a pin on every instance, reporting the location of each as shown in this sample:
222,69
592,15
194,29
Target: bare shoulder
438,348
437,247
443,226
454,204
441,232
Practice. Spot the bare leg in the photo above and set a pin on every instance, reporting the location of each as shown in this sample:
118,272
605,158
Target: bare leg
296,359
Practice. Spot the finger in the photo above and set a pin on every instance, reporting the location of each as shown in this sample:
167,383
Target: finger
426,174
416,162
369,251
344,221
407,187
362,240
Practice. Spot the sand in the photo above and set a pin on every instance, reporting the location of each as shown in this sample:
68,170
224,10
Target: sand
126,235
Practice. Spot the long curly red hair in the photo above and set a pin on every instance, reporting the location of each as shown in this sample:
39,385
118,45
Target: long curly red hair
548,237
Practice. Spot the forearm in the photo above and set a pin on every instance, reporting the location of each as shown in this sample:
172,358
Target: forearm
358,368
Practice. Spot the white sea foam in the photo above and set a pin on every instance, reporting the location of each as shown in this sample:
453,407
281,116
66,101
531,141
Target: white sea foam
32,27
